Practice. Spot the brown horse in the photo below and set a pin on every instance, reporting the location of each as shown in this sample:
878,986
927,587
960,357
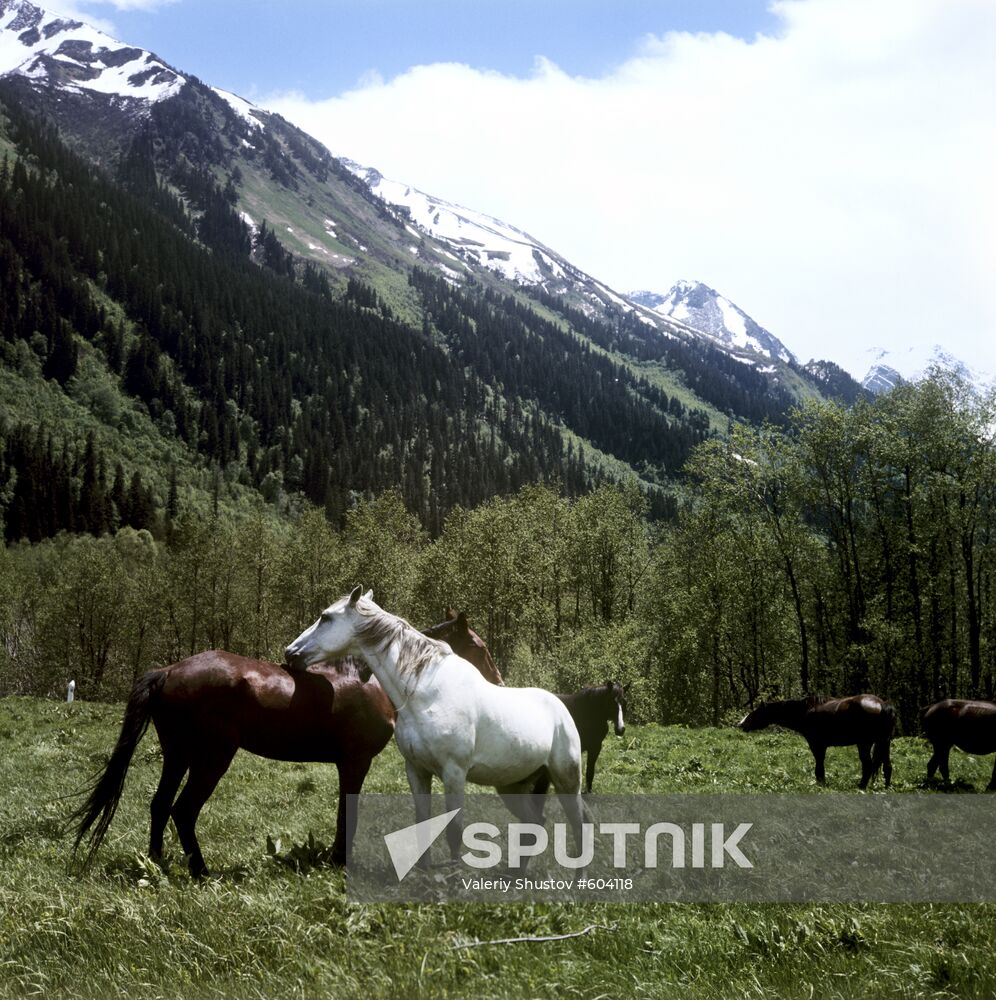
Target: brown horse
968,725
862,719
209,705
465,642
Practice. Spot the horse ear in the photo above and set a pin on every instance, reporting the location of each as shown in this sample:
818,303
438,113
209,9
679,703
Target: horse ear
369,595
462,620
355,595
449,614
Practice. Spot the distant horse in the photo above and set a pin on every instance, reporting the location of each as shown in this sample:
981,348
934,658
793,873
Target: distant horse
592,709
209,705
451,723
862,719
465,642
968,725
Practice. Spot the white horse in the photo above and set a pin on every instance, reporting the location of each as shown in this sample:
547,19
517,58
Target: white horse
451,722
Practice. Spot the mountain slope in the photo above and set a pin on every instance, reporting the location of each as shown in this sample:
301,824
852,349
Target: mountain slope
296,333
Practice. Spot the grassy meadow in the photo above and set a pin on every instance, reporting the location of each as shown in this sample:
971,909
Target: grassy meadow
263,927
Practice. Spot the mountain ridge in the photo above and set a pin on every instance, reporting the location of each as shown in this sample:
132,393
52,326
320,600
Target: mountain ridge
482,380
464,242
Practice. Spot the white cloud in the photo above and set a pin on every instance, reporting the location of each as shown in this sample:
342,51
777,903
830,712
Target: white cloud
834,179
87,10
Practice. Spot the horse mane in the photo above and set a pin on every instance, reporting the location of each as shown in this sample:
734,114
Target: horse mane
593,691
381,629
803,704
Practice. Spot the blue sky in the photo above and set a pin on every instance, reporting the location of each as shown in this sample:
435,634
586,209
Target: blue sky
324,48
826,164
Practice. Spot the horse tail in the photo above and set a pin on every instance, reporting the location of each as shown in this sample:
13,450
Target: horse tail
105,790
888,721
927,719
880,751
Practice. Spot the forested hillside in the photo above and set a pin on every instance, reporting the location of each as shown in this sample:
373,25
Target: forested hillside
853,553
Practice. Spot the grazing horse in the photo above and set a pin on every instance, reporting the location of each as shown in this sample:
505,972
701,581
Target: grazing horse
862,719
209,705
451,723
592,708
465,642
968,725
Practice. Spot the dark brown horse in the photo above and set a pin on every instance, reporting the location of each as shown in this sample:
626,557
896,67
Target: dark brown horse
206,707
862,719
968,725
592,709
465,642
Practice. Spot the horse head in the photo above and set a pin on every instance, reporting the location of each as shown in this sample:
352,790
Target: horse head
617,694
757,718
330,637
456,632
790,713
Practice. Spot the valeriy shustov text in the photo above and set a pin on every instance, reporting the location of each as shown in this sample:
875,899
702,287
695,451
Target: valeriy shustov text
529,840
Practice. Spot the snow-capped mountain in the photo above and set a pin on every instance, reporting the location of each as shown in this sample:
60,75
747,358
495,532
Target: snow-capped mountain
888,368
704,309
37,44
689,311
324,209
480,240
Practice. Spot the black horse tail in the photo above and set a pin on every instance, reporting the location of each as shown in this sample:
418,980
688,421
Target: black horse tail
105,790
881,756
888,721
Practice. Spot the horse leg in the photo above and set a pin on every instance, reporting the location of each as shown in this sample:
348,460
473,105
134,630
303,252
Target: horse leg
174,768
867,770
567,784
352,774
525,807
420,783
542,785
454,781
204,777
938,759
820,756
589,776
882,758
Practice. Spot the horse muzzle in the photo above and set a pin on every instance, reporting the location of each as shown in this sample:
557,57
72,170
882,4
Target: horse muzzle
294,660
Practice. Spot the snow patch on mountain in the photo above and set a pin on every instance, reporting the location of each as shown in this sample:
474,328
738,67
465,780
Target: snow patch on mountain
41,45
705,310
476,237
249,113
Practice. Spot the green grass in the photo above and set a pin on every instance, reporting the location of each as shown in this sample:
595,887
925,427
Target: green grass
261,929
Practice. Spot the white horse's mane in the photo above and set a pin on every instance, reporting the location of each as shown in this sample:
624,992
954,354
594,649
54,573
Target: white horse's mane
379,628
